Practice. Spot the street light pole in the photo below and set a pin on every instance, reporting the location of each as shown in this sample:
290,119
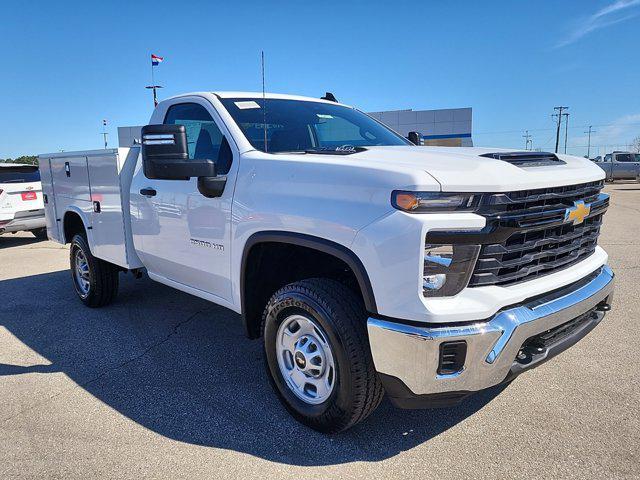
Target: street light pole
155,97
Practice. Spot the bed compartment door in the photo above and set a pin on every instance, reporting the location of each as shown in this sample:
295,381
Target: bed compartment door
107,221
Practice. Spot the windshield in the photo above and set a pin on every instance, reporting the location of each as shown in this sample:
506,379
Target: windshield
294,125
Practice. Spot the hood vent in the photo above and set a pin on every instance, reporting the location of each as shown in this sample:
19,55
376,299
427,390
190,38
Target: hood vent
526,159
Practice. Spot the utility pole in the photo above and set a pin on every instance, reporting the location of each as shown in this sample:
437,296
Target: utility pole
566,130
589,141
527,140
559,115
104,133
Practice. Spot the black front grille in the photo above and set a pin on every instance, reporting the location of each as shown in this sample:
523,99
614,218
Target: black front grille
529,236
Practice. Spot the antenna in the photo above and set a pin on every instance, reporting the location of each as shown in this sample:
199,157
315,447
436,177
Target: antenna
264,107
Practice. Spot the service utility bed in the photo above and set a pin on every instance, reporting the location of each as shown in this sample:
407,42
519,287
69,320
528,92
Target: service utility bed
95,184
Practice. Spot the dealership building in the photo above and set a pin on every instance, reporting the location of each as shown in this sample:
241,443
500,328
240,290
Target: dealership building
449,127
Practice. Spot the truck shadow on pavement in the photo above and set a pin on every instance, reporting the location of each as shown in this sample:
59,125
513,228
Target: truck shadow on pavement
183,368
8,241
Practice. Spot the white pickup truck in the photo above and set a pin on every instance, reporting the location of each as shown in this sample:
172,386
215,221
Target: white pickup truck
367,264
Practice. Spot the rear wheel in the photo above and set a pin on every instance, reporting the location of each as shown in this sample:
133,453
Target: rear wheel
40,233
317,354
95,281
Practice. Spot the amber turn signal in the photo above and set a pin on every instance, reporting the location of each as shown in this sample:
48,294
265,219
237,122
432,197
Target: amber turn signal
406,201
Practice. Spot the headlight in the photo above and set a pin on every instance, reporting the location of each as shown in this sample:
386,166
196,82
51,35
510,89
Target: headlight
425,202
447,268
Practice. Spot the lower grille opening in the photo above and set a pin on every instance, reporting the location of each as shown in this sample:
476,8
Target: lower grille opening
538,345
452,357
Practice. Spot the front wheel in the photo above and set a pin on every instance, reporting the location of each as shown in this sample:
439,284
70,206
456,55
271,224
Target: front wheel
317,354
95,281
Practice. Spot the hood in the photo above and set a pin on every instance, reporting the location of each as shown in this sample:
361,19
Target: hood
465,169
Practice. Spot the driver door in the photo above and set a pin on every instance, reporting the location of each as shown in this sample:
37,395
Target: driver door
624,166
183,236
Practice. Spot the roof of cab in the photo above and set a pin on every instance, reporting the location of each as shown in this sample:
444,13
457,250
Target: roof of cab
281,96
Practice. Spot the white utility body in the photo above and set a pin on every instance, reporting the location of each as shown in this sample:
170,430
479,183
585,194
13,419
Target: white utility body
366,263
95,185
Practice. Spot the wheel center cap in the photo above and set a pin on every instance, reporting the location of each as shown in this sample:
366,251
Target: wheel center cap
300,359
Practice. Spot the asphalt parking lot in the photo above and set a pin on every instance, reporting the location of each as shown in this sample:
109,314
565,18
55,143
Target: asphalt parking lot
164,385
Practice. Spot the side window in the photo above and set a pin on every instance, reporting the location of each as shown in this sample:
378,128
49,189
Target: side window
204,138
607,158
624,157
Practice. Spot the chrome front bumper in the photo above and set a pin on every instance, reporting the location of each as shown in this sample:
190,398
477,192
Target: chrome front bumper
409,355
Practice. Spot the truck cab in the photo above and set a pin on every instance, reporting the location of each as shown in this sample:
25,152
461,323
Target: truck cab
366,264
621,166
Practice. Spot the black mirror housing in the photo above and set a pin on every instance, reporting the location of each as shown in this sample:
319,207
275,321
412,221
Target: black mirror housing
165,155
414,137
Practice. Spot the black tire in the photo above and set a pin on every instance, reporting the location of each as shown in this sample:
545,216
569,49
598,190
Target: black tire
340,314
103,276
40,234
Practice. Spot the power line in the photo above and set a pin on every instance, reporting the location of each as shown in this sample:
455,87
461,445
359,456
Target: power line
497,132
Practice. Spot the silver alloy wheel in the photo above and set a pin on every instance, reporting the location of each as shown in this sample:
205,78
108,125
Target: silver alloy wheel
305,359
81,273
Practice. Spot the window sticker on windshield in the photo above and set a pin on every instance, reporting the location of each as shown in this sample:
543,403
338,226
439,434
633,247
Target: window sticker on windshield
324,115
246,105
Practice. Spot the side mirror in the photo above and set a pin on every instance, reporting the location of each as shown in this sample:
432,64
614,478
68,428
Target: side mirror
165,155
414,137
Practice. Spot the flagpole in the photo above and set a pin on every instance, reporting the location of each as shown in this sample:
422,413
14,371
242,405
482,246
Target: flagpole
153,82
153,85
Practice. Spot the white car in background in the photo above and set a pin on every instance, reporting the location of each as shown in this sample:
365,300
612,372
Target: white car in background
21,203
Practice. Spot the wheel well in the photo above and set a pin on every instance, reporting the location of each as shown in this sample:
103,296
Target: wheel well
72,225
270,265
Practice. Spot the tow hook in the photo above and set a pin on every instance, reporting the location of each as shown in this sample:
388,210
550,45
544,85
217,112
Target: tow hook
528,351
603,307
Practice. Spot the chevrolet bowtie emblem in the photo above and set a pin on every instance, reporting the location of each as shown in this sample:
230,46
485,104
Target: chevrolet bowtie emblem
577,213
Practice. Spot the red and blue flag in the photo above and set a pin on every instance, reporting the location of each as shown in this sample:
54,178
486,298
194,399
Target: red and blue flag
155,60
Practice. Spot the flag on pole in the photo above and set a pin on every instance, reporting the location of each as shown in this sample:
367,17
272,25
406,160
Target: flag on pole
155,60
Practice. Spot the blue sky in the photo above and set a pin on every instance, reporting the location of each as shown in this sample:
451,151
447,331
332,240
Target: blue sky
67,65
